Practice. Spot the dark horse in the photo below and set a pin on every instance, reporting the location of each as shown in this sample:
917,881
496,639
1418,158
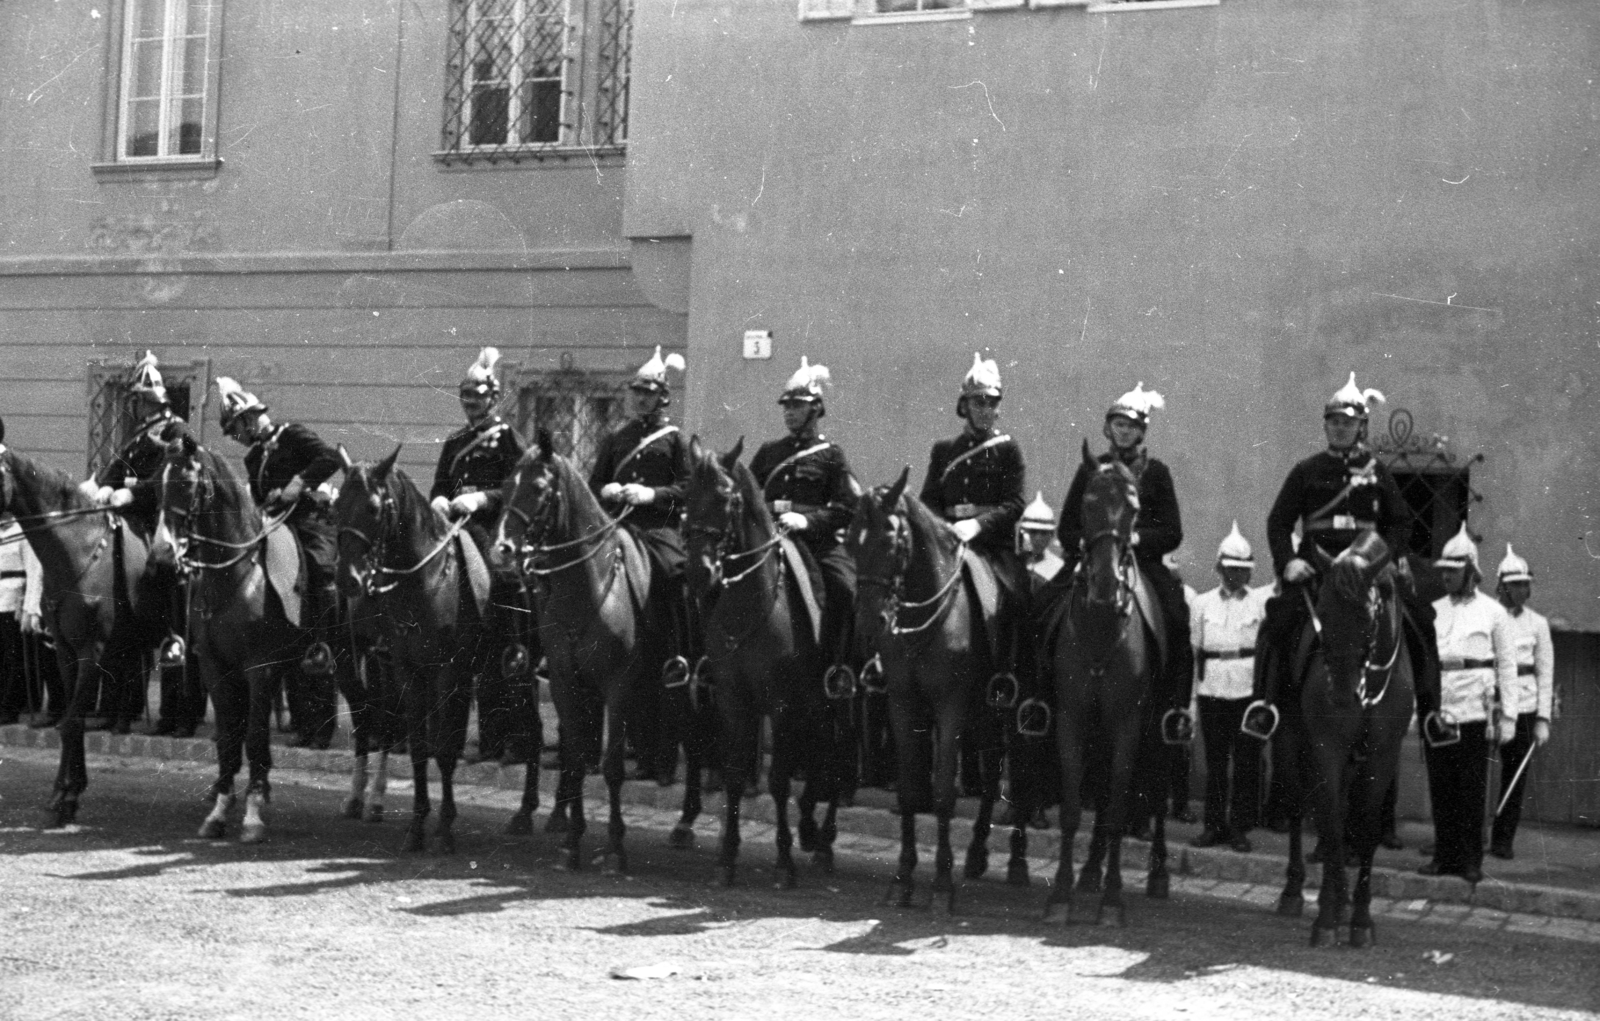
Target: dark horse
765,658
1344,732
916,613
402,562
598,630
1105,664
98,602
238,628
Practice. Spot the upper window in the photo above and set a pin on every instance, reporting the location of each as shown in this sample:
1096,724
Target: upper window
164,86
531,78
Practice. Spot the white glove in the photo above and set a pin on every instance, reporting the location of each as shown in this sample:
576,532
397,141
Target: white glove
1296,571
120,498
441,506
33,624
792,521
966,530
469,503
611,491
88,489
1508,729
102,496
1541,732
1133,540
634,493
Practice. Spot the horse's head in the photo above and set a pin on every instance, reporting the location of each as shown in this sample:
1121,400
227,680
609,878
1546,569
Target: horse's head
879,539
1360,631
727,523
1110,506
533,503
364,515
186,492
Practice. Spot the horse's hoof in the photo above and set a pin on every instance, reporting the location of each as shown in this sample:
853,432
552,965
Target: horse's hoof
557,823
822,858
353,807
1291,907
213,829
1017,874
374,813
61,818
1158,887
1361,936
807,834
519,825
977,863
1321,936
252,834
681,837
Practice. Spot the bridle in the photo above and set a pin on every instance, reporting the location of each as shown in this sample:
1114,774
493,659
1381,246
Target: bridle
374,577
1125,565
539,523
201,489
893,583
722,542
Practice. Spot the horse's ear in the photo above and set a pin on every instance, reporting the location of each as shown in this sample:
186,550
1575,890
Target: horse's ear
545,444
696,450
344,459
382,469
731,458
892,497
1088,458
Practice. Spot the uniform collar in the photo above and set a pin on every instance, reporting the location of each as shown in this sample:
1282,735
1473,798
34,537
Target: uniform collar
1239,593
1355,455
975,437
1472,593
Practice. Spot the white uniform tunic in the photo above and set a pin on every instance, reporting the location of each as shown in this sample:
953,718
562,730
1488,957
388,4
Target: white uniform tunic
1225,625
1536,664
1477,654
13,567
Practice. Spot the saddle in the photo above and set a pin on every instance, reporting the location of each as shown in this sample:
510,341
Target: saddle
284,562
985,592
475,572
1144,601
807,583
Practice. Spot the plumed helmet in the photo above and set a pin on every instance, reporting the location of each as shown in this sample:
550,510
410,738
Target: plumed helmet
1235,550
1136,405
1351,401
1460,551
652,375
480,377
1038,517
145,378
806,383
1514,568
983,378
236,401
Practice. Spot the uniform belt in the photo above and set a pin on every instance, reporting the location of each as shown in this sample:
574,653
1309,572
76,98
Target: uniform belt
1466,664
1340,523
787,506
1230,654
962,511
13,574
1527,670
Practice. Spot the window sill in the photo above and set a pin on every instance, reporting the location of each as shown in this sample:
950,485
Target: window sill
532,157
158,170
908,17
1148,5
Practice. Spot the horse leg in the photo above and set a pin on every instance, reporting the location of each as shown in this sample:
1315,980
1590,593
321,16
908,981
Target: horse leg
733,773
230,706
778,784
1292,902
978,851
261,684
355,695
1158,884
378,786
944,867
805,817
1090,876
1331,897
1061,907
682,835
903,885
521,821
456,704
72,774
417,745
615,772
1123,764
1017,866
560,820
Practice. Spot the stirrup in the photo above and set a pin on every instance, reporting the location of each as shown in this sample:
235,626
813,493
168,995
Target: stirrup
1033,718
1260,720
1003,692
839,682
873,680
701,682
675,673
1177,727
1439,730
318,660
514,660
173,650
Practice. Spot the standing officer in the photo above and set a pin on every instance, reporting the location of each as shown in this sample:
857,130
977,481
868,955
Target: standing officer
1037,532
129,484
645,466
807,481
1535,688
1478,664
475,462
285,464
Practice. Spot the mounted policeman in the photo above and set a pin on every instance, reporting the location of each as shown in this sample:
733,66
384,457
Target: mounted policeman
285,464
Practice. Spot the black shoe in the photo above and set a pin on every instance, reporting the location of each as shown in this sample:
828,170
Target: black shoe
9,718
162,729
1500,850
98,723
183,732
1472,874
1391,840
514,758
1184,814
1433,868
42,721
300,741
1209,838
123,727
1241,843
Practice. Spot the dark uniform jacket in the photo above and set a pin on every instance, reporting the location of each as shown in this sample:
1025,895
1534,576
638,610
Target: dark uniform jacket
1158,524
663,466
140,460
818,486
478,459
986,487
1315,483
289,450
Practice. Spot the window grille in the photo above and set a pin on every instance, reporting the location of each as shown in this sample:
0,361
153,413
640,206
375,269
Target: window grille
111,412
527,79
1436,487
579,409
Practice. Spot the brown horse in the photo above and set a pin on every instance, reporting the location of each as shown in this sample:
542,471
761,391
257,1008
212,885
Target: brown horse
400,560
1345,731
238,628
100,603
765,659
598,639
1104,664
916,613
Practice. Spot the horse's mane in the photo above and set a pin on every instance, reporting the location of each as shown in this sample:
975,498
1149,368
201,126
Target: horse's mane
55,487
569,480
925,525
230,495
755,501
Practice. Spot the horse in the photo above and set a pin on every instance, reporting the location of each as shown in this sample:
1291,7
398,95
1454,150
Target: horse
101,603
1104,667
402,560
1344,733
765,659
599,631
917,615
240,632
377,712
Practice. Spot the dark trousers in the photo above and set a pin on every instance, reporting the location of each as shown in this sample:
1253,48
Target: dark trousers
13,679
1511,753
1457,777
1233,767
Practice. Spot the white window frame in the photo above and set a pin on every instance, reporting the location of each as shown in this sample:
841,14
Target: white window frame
515,81
116,160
